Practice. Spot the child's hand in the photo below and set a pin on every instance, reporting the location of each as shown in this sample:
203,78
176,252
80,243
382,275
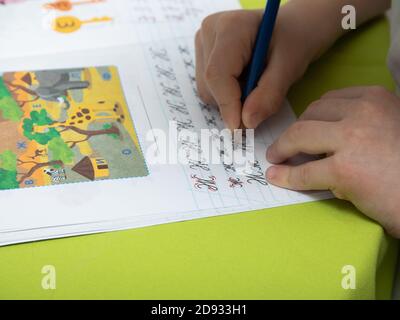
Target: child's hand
223,50
359,130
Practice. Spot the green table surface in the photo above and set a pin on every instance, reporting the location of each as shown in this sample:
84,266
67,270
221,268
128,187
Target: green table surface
283,253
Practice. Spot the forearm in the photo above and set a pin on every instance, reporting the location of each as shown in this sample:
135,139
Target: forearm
324,19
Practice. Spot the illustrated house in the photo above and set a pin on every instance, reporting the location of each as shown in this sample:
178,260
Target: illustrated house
92,168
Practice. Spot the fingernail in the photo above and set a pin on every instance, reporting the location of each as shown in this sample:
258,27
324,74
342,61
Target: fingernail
272,173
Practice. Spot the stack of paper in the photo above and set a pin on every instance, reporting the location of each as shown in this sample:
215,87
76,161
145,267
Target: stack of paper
93,100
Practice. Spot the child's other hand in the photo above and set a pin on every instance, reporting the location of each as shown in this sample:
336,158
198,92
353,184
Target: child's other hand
359,130
224,49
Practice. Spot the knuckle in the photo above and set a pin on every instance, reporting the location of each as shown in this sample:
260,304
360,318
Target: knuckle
207,24
228,19
230,25
225,21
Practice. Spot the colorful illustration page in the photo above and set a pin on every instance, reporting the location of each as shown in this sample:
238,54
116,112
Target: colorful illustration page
54,26
65,126
172,192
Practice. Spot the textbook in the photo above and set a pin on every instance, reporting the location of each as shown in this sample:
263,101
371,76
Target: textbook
102,128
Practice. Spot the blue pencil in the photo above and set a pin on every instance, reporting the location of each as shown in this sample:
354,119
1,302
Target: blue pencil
260,51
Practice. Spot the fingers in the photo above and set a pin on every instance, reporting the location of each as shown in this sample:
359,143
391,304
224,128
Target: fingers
202,87
217,71
334,109
221,75
315,175
208,35
310,137
269,95
223,50
347,93
337,105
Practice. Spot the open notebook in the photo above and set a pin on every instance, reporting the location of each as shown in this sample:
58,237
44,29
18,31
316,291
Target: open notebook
81,101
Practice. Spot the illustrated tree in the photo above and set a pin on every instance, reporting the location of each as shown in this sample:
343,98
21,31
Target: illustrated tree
58,149
15,88
109,130
8,106
109,126
39,119
8,171
60,152
52,129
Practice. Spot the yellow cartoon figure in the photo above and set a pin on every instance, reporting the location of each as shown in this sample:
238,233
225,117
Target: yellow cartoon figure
70,24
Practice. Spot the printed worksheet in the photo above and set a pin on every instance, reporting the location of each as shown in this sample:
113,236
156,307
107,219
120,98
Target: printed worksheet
90,139
54,26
